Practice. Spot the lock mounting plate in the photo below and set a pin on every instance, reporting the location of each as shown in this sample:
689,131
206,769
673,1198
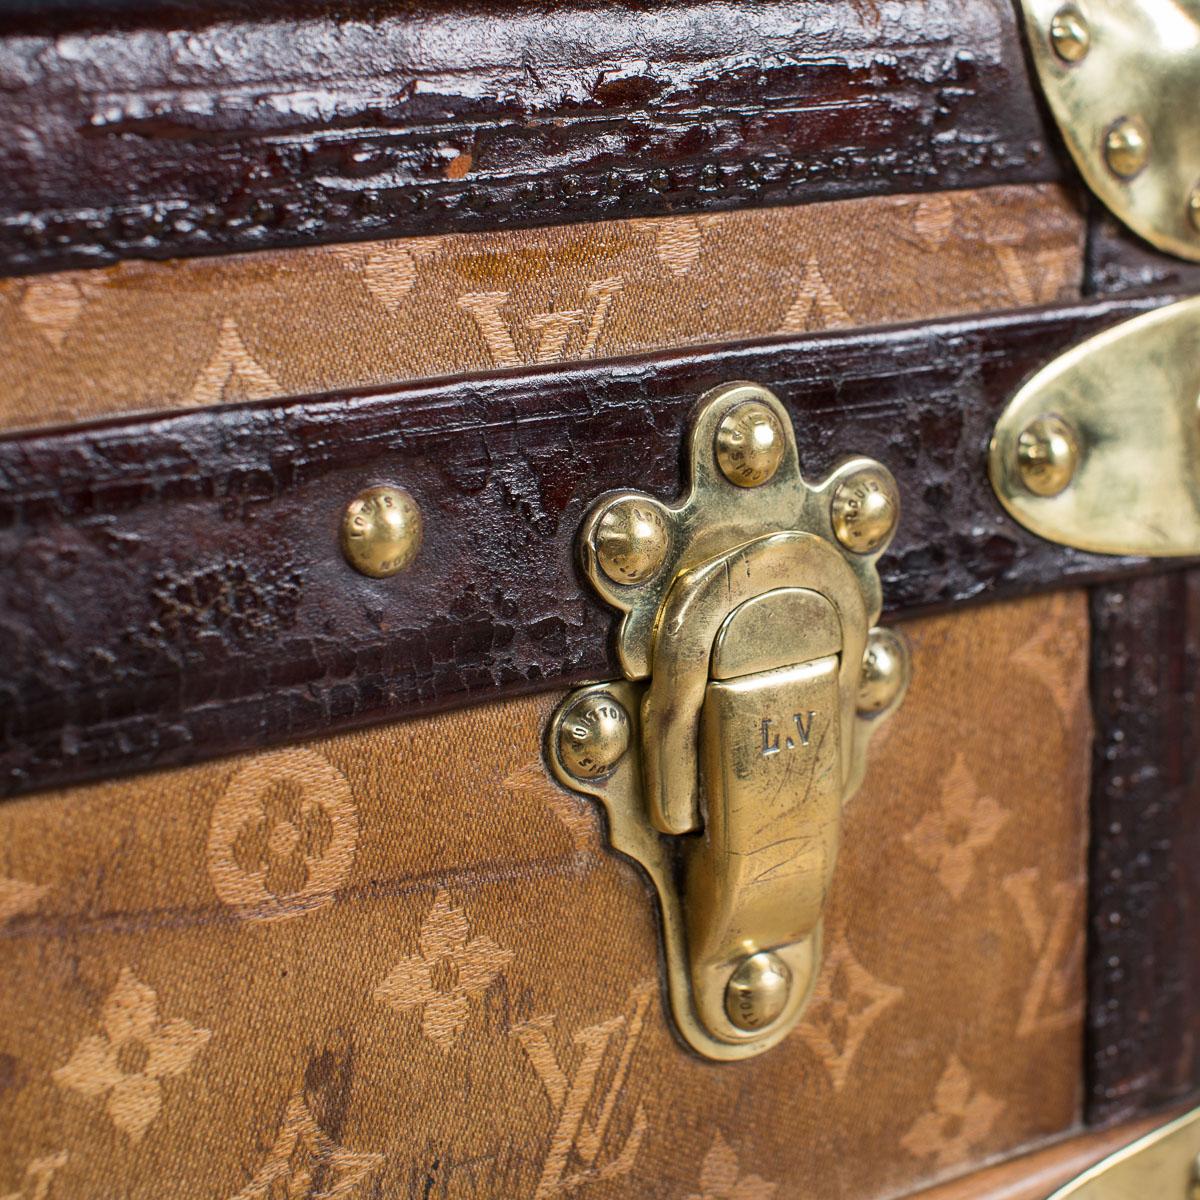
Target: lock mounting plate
753,681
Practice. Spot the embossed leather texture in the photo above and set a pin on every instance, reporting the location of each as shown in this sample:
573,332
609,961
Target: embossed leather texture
217,125
402,962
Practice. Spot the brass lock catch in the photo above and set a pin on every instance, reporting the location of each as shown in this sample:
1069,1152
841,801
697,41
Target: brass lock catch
753,681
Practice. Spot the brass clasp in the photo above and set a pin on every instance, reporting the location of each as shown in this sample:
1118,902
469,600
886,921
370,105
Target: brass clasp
1120,81
753,683
1100,450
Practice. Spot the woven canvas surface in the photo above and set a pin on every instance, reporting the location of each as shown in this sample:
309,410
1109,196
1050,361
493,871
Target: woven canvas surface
155,336
403,963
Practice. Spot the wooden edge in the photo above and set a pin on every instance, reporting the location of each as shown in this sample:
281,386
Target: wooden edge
173,130
1037,1175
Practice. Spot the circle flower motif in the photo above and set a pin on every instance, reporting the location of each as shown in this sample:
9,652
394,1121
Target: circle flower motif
283,835
279,842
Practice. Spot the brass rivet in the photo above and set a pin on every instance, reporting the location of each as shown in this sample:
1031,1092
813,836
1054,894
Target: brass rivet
381,531
1127,146
865,509
593,735
1069,34
631,541
757,992
1047,455
884,670
749,444
1193,204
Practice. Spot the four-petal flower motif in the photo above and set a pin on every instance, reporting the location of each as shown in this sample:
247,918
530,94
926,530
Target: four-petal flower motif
948,838
450,969
283,835
720,1179
959,1122
136,1050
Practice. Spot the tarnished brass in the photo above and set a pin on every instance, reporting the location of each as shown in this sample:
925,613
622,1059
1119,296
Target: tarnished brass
746,642
1100,450
758,990
1160,1166
749,444
1121,77
1047,455
1069,34
1127,146
753,683
631,541
381,531
884,673
866,507
593,734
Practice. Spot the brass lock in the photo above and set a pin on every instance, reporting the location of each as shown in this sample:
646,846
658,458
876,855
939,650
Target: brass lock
753,681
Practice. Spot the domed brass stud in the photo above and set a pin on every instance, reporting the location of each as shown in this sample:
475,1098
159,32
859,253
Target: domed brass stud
884,672
1127,146
381,531
593,736
757,992
749,444
1070,34
631,541
865,509
1047,455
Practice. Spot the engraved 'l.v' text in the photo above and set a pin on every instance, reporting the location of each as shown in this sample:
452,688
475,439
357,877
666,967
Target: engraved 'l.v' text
770,742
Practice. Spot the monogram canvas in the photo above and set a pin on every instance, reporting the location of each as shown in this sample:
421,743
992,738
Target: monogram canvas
403,963
153,336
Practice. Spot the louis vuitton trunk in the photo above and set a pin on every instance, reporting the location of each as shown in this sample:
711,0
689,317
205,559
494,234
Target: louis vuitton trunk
599,599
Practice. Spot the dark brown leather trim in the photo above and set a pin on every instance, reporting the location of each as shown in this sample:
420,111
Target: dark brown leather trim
172,588
155,140
1118,262
1144,909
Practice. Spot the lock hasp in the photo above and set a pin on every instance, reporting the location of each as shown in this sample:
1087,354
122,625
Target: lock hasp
726,754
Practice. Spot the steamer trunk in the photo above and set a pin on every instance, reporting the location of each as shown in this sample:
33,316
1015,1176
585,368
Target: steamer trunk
292,903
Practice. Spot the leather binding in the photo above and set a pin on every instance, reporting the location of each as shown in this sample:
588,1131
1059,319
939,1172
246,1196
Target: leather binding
173,587
1118,262
144,143
1143,974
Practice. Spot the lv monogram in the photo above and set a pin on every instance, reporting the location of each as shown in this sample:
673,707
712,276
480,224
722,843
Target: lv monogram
1052,922
576,1145
552,331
